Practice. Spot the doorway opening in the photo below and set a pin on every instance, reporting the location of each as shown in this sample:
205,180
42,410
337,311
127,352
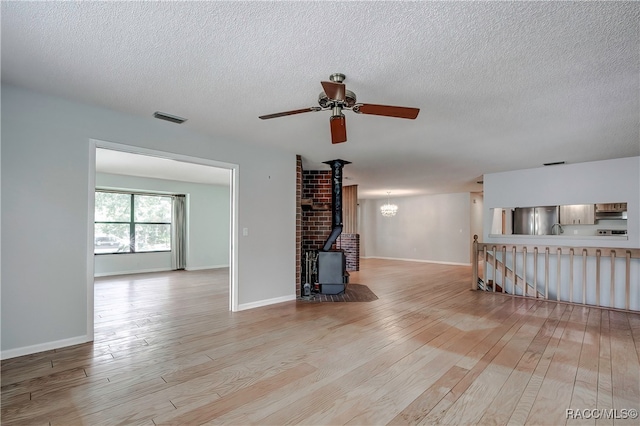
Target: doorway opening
210,191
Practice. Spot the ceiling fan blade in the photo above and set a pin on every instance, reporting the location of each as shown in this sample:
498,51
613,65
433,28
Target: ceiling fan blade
387,110
338,129
334,91
295,111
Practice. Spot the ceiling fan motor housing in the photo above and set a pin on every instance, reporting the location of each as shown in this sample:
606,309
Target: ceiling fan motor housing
349,100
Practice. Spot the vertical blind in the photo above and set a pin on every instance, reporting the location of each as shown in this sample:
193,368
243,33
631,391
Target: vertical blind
350,209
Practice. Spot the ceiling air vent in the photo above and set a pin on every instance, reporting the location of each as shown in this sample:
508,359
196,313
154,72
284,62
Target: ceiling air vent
557,163
169,117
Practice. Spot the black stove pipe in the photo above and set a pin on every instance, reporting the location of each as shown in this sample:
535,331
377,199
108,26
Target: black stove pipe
336,201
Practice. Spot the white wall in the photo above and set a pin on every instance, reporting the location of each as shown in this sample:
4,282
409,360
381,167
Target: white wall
608,181
431,228
208,208
45,212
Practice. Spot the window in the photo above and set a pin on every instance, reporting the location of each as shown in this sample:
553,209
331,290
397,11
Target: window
132,223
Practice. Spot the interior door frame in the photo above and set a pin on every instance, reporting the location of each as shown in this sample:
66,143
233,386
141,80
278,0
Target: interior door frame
233,204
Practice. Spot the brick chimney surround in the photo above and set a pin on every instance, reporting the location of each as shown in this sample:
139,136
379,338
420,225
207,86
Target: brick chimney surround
313,220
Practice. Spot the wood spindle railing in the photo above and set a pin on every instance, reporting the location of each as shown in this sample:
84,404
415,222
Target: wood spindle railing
500,265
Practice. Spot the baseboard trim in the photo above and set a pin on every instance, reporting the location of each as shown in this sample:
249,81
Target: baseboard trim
266,302
136,271
200,268
145,271
418,260
42,347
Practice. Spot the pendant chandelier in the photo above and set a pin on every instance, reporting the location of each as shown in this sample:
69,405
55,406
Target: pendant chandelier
388,209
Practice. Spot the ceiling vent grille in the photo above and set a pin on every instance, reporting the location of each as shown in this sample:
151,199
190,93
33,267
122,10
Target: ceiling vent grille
169,117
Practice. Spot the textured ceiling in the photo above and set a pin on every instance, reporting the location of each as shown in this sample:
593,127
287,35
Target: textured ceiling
124,163
500,85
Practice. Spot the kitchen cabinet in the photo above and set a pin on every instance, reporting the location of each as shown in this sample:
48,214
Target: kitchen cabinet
611,207
578,214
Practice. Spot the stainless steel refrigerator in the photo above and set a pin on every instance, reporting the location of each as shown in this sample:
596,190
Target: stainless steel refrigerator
535,220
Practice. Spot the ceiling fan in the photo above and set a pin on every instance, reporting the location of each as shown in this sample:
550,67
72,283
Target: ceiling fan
337,98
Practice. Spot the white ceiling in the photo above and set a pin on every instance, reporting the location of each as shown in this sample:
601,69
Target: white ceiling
501,85
125,163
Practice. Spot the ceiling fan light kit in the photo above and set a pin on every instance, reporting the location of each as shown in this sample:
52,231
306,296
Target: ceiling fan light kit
337,98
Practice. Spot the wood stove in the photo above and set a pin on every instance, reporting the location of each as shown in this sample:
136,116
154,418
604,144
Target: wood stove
332,264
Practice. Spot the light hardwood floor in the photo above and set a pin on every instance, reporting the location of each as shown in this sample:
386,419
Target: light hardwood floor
428,351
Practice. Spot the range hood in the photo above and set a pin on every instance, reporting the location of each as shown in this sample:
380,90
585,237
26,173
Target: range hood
611,211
